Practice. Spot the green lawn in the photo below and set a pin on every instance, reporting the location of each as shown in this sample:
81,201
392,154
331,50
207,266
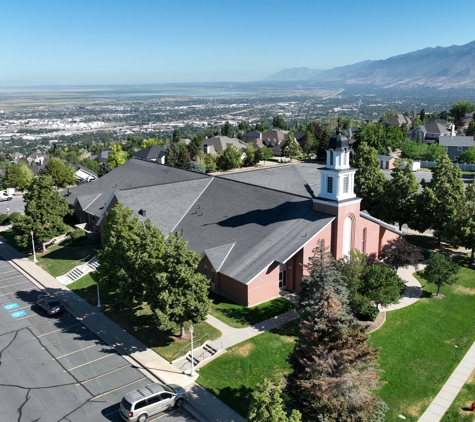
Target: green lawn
422,344
233,376
59,259
138,320
238,316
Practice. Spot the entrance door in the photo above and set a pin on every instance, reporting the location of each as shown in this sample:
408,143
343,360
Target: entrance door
283,276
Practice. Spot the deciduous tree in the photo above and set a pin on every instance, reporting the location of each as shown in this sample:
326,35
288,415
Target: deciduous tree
229,159
382,285
227,130
18,177
116,158
436,204
45,209
441,270
399,253
400,194
467,156
180,293
62,174
290,148
370,183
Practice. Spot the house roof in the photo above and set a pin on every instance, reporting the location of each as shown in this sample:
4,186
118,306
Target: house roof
456,141
435,127
153,152
78,166
398,120
220,143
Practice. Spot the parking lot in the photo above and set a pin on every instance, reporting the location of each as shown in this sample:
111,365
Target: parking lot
54,368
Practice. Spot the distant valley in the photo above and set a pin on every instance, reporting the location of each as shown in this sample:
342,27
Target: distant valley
439,67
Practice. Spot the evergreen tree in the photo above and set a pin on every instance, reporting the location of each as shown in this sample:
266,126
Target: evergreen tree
436,204
227,130
267,405
243,126
45,209
370,183
400,191
104,169
333,370
279,122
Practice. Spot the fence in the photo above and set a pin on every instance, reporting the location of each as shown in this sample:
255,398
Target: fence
463,167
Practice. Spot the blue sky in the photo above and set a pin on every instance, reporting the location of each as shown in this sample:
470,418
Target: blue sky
51,42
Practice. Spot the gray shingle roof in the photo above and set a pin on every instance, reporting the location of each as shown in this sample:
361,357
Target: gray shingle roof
132,174
283,178
456,141
150,153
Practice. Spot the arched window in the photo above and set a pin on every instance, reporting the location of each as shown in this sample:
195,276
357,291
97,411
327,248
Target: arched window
347,229
363,241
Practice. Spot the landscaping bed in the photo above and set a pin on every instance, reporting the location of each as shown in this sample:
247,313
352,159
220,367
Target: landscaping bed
233,376
138,320
238,316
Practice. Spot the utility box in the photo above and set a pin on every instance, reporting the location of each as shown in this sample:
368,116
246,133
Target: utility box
416,165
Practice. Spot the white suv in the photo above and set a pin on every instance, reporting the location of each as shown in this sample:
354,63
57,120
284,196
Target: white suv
5,196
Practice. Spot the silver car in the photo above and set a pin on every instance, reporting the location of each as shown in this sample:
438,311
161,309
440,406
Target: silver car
139,404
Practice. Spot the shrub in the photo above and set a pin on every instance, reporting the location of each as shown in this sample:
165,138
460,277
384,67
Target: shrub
14,217
77,234
3,218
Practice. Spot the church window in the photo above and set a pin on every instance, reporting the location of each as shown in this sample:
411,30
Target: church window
345,158
363,241
330,185
331,157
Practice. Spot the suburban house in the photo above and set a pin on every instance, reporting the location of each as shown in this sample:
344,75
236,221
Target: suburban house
429,133
252,136
454,145
101,157
37,158
398,120
255,231
220,143
274,139
154,153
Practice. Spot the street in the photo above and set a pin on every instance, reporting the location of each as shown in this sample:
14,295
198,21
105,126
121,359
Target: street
54,368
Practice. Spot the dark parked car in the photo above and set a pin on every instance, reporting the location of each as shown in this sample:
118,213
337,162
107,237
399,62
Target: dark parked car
50,304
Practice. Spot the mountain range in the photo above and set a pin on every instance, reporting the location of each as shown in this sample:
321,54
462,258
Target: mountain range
439,67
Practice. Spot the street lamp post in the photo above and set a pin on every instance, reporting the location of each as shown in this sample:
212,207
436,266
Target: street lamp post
192,372
34,251
98,296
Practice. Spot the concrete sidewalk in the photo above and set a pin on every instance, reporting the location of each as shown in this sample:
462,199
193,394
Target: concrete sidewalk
202,404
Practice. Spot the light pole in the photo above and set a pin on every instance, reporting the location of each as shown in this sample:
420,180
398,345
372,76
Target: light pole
33,243
98,296
192,372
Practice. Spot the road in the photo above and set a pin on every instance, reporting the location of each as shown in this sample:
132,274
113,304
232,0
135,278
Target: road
54,368
15,205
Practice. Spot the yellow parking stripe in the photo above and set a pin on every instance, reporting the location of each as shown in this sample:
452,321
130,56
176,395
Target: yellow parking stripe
76,351
88,363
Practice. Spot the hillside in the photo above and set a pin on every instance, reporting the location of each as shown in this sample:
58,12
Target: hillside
439,67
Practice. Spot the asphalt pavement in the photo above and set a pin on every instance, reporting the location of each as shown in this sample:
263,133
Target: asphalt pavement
56,368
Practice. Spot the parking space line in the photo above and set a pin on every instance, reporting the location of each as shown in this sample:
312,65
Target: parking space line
91,361
13,276
115,389
16,284
107,373
76,351
55,331
69,339
6,294
11,271
25,317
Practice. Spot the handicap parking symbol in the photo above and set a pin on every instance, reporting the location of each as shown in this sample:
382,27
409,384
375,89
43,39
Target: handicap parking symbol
17,314
11,306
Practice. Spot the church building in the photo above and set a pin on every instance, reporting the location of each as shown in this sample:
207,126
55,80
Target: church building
255,230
